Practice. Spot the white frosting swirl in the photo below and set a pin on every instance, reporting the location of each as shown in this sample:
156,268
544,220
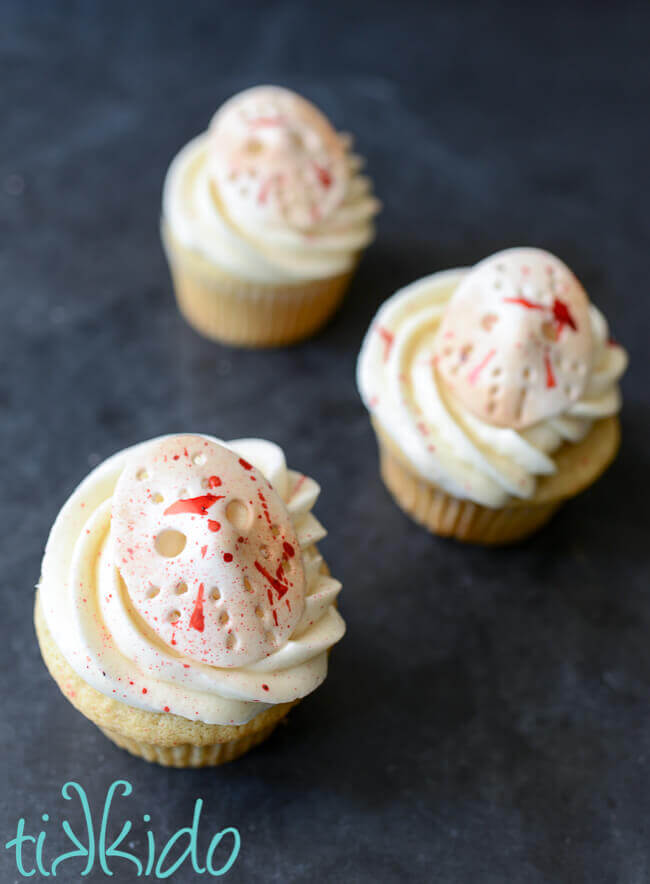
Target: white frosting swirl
94,625
447,444
197,218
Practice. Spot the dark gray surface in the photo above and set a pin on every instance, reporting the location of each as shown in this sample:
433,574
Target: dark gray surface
487,717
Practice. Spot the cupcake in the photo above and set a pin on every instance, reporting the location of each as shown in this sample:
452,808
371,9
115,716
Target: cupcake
264,219
493,392
183,606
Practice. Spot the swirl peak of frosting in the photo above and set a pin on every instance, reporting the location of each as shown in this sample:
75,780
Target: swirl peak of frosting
276,159
515,343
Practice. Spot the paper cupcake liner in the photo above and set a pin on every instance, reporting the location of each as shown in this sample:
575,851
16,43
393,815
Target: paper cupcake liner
235,311
448,516
189,755
161,737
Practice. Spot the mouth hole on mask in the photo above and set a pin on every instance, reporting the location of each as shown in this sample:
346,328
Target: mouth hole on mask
224,617
174,615
141,475
181,588
170,543
152,592
157,497
239,515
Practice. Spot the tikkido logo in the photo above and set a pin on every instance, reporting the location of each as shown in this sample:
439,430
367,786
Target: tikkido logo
92,846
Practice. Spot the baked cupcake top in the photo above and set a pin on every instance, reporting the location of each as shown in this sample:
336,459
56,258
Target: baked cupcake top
479,374
182,576
271,192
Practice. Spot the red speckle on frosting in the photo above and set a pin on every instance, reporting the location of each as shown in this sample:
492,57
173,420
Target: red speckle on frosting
474,374
213,525
265,687
289,550
197,505
204,549
267,121
279,587
324,177
524,302
550,377
227,557
214,481
388,339
246,465
197,620
562,316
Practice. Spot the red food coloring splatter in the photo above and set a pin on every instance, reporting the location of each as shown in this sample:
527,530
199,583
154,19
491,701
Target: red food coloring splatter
177,457
265,687
265,506
204,549
246,465
324,177
144,690
476,371
388,338
279,587
197,505
562,316
213,525
275,616
550,377
227,557
197,620
289,550
166,709
524,302
265,189
214,481
267,121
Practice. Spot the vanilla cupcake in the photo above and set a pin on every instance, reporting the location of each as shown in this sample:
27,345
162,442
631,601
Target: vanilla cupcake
493,392
264,219
183,606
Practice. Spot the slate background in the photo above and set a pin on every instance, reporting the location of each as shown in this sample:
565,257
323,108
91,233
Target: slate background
487,716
